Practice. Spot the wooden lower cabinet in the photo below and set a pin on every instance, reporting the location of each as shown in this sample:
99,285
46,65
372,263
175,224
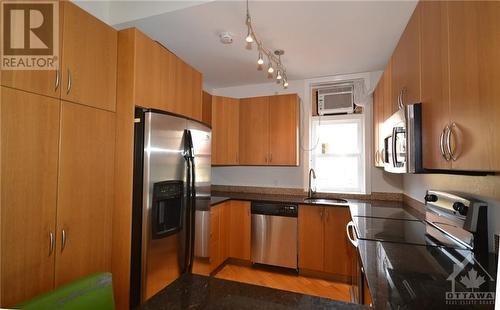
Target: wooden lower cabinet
323,244
239,230
29,146
85,192
229,236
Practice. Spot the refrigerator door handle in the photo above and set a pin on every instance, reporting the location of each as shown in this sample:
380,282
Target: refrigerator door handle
190,203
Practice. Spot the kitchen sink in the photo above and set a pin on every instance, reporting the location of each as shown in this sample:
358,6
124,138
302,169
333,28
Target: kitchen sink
325,201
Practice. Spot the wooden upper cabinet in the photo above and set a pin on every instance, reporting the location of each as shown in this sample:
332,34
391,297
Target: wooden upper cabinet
89,58
311,238
85,192
206,113
405,63
389,105
474,42
239,230
225,131
284,130
254,131
29,146
196,99
168,77
338,249
148,65
378,115
435,81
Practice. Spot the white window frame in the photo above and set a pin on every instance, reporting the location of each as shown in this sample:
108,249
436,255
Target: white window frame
349,118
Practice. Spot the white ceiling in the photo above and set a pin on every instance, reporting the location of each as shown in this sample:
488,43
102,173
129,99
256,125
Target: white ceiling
320,38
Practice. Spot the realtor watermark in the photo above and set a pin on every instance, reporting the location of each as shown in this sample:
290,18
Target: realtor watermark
30,35
474,278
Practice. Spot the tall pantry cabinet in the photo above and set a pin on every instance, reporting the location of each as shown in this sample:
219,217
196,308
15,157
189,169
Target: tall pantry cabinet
57,153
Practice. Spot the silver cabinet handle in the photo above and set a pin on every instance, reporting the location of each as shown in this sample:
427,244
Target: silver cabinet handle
321,214
69,82
63,240
51,243
442,143
56,86
353,240
448,141
382,155
270,157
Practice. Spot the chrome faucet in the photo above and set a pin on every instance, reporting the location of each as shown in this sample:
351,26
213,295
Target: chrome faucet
312,174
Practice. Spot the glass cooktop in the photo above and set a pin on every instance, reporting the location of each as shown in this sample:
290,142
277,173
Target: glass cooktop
366,210
401,231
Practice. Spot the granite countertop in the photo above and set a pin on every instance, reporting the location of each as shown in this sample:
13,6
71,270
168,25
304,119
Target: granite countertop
200,292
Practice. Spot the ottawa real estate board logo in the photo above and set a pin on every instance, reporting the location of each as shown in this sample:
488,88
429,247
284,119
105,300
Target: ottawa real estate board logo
30,35
475,281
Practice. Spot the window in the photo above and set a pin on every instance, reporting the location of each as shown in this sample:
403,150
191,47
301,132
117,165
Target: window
337,154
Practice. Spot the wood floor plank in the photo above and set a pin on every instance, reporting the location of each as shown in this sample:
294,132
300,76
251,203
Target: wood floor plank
285,281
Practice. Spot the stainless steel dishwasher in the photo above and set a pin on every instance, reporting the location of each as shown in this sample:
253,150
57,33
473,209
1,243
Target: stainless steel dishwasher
274,234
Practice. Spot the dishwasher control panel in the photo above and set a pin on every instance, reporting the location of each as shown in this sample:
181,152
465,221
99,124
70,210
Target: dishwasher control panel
275,209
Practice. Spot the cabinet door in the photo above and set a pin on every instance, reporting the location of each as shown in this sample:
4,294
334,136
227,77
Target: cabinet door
219,131
378,114
284,130
168,77
206,115
196,91
215,233
183,88
435,81
147,72
474,29
239,230
311,238
89,57
254,131
390,105
29,145
85,191
406,63
338,249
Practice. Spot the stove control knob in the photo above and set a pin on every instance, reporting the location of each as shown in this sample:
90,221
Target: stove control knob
431,198
460,207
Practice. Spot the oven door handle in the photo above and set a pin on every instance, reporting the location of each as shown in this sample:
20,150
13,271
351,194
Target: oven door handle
353,240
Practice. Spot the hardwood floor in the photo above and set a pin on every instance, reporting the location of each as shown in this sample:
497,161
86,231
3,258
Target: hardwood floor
286,281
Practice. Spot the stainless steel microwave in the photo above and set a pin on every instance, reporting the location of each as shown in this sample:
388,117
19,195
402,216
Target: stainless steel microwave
402,133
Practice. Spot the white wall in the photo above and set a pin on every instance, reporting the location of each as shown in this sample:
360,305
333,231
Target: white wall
294,177
485,188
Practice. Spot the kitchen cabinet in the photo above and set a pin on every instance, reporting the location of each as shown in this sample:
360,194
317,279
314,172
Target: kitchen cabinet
284,130
225,130
311,238
474,41
160,79
390,105
269,130
460,43
85,192
87,60
57,161
206,110
323,244
239,230
254,131
338,250
148,78
405,64
219,240
378,122
435,81
29,147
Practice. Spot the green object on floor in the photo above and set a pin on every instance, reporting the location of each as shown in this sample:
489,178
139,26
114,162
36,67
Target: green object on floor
91,292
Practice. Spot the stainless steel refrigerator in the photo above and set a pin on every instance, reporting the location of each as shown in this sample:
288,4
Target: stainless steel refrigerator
172,167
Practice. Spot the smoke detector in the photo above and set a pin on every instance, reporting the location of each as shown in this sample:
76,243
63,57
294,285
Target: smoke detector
226,37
